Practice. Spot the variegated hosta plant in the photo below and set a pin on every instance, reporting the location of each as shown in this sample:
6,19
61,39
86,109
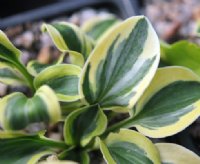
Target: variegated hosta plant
112,70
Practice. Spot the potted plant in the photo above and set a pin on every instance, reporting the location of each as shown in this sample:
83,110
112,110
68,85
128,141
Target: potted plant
117,72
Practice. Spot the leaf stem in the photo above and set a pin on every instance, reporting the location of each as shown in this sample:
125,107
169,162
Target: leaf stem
26,74
127,123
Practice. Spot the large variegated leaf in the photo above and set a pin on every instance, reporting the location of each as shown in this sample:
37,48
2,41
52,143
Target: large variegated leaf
182,53
10,76
17,111
69,38
176,154
122,65
129,147
63,79
88,122
11,55
170,103
98,25
26,149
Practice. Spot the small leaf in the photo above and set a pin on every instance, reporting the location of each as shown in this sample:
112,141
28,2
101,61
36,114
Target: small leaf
97,26
68,38
11,55
63,79
10,76
84,124
34,67
117,73
8,51
176,154
182,53
129,147
17,111
170,103
23,149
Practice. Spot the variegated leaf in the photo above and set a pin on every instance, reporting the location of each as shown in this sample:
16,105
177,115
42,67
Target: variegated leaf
122,65
97,26
26,149
129,147
34,67
63,79
17,111
89,122
181,53
8,51
176,154
11,55
10,76
169,105
69,38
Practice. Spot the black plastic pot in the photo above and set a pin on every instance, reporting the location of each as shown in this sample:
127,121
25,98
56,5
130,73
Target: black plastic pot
122,8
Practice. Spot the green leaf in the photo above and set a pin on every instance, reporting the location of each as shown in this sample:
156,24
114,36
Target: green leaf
11,55
69,38
176,154
10,76
129,147
26,149
17,111
169,105
83,125
117,73
97,26
63,79
182,53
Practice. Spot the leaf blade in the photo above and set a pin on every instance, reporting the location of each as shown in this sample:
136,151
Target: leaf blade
29,148
170,104
105,74
63,79
85,129
168,155
18,111
128,147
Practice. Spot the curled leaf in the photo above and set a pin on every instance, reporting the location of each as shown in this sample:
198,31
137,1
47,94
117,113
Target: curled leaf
69,38
17,111
63,79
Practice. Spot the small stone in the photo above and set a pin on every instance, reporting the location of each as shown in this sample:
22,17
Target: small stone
3,89
44,55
